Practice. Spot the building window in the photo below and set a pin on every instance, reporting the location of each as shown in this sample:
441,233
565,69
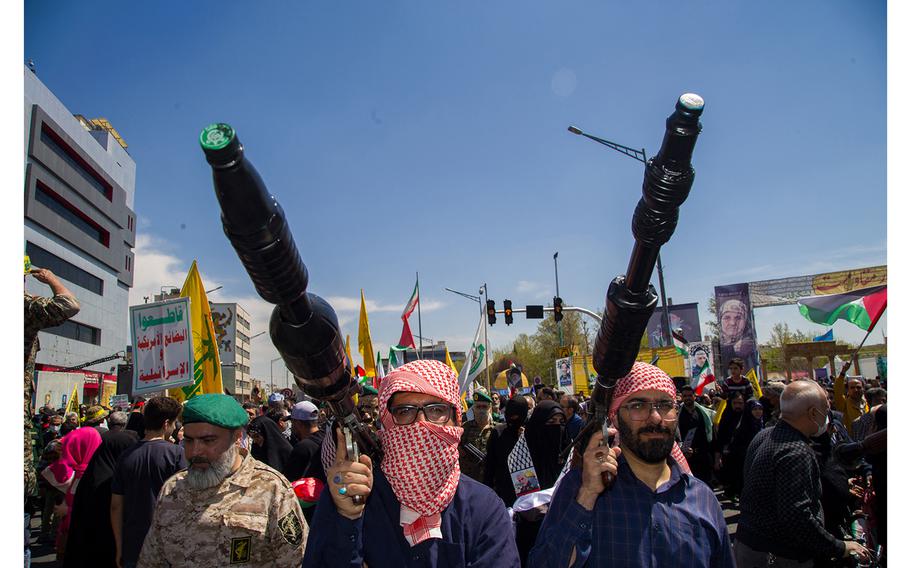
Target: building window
243,336
53,141
64,269
243,322
77,331
243,369
243,352
71,213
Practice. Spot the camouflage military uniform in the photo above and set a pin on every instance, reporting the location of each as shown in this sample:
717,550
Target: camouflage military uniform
252,518
40,313
474,434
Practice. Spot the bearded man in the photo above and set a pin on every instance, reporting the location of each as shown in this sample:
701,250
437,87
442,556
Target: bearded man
656,513
225,509
419,509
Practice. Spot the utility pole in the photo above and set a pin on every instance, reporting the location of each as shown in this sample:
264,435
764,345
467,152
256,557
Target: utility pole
556,270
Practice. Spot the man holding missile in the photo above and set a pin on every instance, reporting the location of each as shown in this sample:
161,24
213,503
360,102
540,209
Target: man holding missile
656,513
419,509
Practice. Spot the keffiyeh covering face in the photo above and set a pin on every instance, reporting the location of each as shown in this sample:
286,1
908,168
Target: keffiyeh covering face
646,377
421,459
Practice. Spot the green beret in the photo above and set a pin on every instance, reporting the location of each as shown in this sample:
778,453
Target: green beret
368,390
217,409
482,396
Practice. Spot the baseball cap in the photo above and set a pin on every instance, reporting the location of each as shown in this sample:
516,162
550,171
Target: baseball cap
276,397
306,411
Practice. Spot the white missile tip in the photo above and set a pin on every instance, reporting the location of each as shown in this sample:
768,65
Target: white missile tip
692,101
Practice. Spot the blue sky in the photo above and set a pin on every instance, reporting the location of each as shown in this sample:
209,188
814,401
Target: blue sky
402,137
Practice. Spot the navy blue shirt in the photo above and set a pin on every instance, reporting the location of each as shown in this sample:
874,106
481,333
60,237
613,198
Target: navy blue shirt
573,427
476,531
681,524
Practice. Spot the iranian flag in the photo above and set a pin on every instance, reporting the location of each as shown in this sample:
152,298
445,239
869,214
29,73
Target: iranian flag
702,380
412,303
860,307
407,338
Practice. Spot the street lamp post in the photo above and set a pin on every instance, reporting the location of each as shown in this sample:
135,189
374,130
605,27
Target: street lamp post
666,334
272,374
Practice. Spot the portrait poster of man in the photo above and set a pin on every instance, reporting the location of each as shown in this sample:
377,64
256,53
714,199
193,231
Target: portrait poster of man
683,318
737,330
564,372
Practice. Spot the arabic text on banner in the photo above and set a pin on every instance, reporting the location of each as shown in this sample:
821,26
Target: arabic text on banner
162,345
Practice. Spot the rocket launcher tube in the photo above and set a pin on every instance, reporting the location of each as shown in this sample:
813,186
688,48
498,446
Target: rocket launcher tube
303,326
631,298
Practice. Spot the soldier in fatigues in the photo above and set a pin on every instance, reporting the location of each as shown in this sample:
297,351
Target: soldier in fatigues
40,313
476,432
225,509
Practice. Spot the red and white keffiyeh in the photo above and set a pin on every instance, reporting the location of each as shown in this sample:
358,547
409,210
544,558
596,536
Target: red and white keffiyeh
421,459
646,377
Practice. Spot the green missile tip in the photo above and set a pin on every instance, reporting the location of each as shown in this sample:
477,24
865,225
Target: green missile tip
216,136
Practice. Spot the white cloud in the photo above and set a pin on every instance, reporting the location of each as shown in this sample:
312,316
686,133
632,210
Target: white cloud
535,290
158,266
343,304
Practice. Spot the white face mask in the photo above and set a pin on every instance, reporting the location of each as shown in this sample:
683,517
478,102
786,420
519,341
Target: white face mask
821,429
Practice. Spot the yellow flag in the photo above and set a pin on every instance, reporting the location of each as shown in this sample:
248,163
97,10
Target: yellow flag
753,379
206,363
719,411
449,362
347,351
72,405
364,343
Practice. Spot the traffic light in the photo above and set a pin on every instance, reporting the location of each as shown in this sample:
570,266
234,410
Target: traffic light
557,309
507,306
491,312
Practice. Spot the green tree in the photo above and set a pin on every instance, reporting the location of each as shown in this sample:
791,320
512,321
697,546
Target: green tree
537,353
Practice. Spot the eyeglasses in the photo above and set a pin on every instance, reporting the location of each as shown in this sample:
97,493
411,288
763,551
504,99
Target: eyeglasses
437,413
641,410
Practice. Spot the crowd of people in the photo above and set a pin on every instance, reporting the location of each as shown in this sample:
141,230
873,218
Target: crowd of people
498,480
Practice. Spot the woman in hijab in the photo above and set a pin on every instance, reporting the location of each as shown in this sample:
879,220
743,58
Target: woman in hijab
499,446
545,437
750,424
729,420
269,444
91,540
76,452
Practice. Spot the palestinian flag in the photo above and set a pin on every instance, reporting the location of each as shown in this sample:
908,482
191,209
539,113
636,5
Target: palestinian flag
861,307
679,342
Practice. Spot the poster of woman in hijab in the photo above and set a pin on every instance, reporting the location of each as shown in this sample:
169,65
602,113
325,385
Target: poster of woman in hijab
737,331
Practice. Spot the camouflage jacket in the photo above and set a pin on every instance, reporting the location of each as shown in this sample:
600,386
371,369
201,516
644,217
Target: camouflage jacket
478,436
252,518
40,313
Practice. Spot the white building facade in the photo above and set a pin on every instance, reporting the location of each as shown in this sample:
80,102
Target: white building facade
80,223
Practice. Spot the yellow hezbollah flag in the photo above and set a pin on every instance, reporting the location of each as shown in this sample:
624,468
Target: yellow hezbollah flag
347,351
449,362
719,411
207,365
364,343
753,379
72,405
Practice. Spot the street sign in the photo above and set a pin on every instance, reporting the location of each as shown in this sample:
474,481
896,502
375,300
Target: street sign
534,312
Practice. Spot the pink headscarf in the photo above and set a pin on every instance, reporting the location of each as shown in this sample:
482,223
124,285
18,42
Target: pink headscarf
76,451
421,459
646,377
78,448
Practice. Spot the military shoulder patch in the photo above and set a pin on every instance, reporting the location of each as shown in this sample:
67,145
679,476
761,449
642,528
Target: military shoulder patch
291,529
240,550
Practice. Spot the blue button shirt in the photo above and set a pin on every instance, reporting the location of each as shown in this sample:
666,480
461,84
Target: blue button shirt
681,525
476,532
